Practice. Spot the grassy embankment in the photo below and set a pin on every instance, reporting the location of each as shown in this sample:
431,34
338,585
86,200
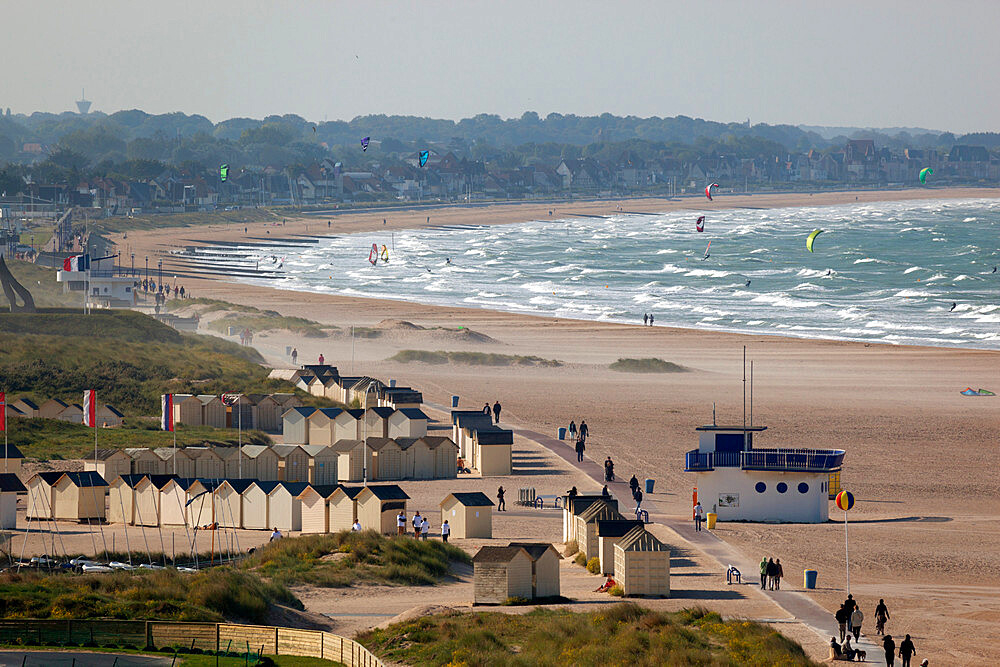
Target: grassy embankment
153,221
624,634
248,317
650,365
471,358
41,282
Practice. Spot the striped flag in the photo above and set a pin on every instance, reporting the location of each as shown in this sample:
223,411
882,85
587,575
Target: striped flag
3,412
167,412
90,408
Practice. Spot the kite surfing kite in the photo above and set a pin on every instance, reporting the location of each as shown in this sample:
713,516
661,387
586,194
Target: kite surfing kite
364,144
423,157
700,223
811,239
373,254
708,190
924,173
969,391
224,172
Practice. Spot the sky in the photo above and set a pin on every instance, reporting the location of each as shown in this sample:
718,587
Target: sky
916,63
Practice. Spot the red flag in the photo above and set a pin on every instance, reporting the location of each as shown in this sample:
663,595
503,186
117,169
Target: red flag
3,412
90,408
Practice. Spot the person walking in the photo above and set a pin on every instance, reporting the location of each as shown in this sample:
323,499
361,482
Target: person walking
771,571
401,523
881,616
907,650
445,531
778,575
486,409
638,501
496,412
763,585
321,359
849,605
699,514
572,429
501,505
584,430
645,319
889,647
651,319
841,617
580,447
633,484
417,521
609,470
295,355
425,528
276,535
857,618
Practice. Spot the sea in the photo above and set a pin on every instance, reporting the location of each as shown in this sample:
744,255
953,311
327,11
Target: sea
905,272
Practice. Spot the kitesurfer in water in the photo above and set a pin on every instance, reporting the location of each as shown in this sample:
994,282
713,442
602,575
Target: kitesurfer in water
994,269
829,272
447,260
953,307
748,284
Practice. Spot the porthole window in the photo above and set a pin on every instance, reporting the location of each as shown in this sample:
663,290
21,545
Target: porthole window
782,487
761,487
803,487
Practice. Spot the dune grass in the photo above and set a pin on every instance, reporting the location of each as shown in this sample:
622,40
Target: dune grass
213,595
648,365
623,634
368,557
196,219
471,358
249,317
41,282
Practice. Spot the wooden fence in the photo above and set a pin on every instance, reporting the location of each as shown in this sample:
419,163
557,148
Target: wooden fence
268,640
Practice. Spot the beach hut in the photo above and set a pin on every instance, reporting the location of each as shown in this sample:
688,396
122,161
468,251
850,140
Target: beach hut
347,425
213,411
417,457
573,507
10,411
544,568
358,390
110,463
609,533
108,416
321,370
10,459
121,498
232,466
351,460
322,464
345,383
267,413
284,508
316,386
144,461
331,387
295,425
51,409
399,398
445,453
286,401
343,507
187,410
407,423
376,422
148,503
255,504
491,451
175,461
378,506
499,574
207,463
72,413
316,508
387,459
202,509
260,462
463,422
79,496
229,502
173,501
40,501
320,425
293,463
303,382
470,515
586,526
27,406
642,564
10,488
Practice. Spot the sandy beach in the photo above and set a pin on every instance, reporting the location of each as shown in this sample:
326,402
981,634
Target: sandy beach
920,457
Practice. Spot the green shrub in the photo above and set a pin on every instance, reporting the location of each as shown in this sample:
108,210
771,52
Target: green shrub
570,548
594,565
648,365
515,601
617,591
471,358
580,559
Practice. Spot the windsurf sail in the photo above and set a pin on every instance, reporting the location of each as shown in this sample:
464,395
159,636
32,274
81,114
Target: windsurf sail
707,249
811,239
700,223
385,253
373,254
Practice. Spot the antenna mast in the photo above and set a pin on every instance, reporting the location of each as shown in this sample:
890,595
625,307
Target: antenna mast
744,395
751,393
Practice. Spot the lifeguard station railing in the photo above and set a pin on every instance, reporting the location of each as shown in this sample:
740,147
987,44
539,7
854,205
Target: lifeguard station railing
802,460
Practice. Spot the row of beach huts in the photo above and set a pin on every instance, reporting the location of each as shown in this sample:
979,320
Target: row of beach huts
54,408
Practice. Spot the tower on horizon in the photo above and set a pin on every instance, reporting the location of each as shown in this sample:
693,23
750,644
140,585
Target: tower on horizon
83,104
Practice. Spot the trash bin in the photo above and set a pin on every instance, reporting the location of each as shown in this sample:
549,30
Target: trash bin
809,578
288,350
710,520
562,432
454,401
649,486
392,383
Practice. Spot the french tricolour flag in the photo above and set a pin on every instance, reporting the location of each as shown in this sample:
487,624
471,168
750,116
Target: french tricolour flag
76,263
167,412
90,408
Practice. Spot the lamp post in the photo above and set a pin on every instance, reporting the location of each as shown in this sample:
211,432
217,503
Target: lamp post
133,265
159,277
147,269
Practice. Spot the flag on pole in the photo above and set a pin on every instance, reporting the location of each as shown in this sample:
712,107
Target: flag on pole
90,408
167,412
76,263
3,412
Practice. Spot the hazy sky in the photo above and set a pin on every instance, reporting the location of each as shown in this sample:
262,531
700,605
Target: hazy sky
917,63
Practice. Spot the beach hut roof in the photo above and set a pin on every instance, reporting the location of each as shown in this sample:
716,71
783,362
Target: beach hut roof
351,491
599,510
182,397
257,398
283,450
497,554
253,451
458,415
313,450
9,483
616,527
383,413
323,490
114,411
387,492
294,488
49,477
57,402
105,454
159,481
435,441
238,485
536,549
582,502
207,398
27,401
198,452
86,478
494,436
375,444
405,443
302,410
266,486
640,539
130,480
210,484
329,413
471,499
226,453
281,398
14,409
184,482
415,413
345,445
13,452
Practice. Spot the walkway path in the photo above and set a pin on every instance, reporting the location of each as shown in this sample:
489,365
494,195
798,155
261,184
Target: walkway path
798,605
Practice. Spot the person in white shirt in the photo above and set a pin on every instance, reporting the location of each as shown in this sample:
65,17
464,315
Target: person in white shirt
425,528
356,527
445,531
417,521
699,515
401,523
276,535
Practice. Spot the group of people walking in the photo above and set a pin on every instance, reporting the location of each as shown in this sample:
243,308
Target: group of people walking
421,526
581,438
647,319
494,411
771,574
849,619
